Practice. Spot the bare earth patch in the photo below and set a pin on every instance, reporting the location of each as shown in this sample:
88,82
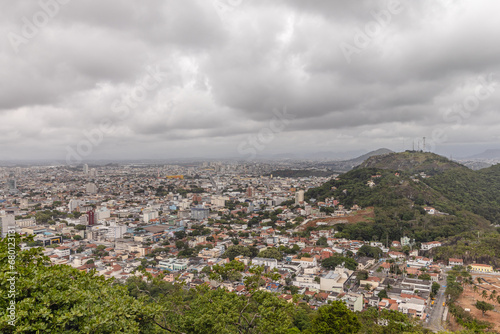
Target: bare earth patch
469,298
364,215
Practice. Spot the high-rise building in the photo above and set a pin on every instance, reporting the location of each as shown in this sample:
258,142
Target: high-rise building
199,212
74,204
91,188
148,215
85,169
299,197
91,219
12,184
250,192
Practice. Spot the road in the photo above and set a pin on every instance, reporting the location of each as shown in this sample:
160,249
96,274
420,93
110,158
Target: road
436,314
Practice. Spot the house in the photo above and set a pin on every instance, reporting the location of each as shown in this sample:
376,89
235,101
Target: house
266,262
416,284
481,268
430,245
62,251
414,307
430,210
306,262
396,255
365,262
396,244
455,262
374,282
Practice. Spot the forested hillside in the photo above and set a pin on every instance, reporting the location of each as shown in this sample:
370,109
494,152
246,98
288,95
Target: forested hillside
476,191
399,193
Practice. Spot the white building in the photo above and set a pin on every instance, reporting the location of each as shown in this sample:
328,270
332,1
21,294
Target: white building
91,188
306,262
336,280
299,197
74,204
103,213
62,251
148,215
116,232
430,245
260,261
26,222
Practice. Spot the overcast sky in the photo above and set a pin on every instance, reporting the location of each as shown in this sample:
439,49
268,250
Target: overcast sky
164,79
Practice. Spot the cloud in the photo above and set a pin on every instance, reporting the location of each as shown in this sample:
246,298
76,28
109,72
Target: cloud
227,65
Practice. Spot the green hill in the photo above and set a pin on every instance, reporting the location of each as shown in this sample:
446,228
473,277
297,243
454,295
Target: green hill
412,162
468,199
476,191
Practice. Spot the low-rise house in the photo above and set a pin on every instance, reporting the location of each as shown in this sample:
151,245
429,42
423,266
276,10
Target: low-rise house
455,262
62,251
430,245
396,255
266,262
365,262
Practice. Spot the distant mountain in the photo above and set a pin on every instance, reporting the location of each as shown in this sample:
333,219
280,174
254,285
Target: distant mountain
488,154
347,165
361,159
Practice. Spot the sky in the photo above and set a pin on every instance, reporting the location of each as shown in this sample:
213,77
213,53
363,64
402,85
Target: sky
122,79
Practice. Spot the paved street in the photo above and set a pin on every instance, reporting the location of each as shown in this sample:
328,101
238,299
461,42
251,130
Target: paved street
436,314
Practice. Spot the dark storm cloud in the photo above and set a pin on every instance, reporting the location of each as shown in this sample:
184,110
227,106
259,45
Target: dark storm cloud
350,73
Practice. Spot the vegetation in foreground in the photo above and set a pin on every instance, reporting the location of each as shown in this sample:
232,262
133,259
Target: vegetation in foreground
61,299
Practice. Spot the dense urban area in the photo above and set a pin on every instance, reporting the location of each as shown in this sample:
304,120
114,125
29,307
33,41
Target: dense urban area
213,226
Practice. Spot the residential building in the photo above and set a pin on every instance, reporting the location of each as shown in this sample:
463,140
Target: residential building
481,268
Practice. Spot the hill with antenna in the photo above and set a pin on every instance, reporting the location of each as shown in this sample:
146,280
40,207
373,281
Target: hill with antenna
412,162
403,187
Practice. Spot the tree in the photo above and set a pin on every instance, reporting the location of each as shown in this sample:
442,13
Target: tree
483,306
484,294
77,237
370,251
272,253
230,271
80,227
362,275
334,318
61,299
425,277
383,294
435,288
334,261
493,295
180,244
180,234
322,241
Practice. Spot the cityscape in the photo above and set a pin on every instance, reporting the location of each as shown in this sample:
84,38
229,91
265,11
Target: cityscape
250,167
